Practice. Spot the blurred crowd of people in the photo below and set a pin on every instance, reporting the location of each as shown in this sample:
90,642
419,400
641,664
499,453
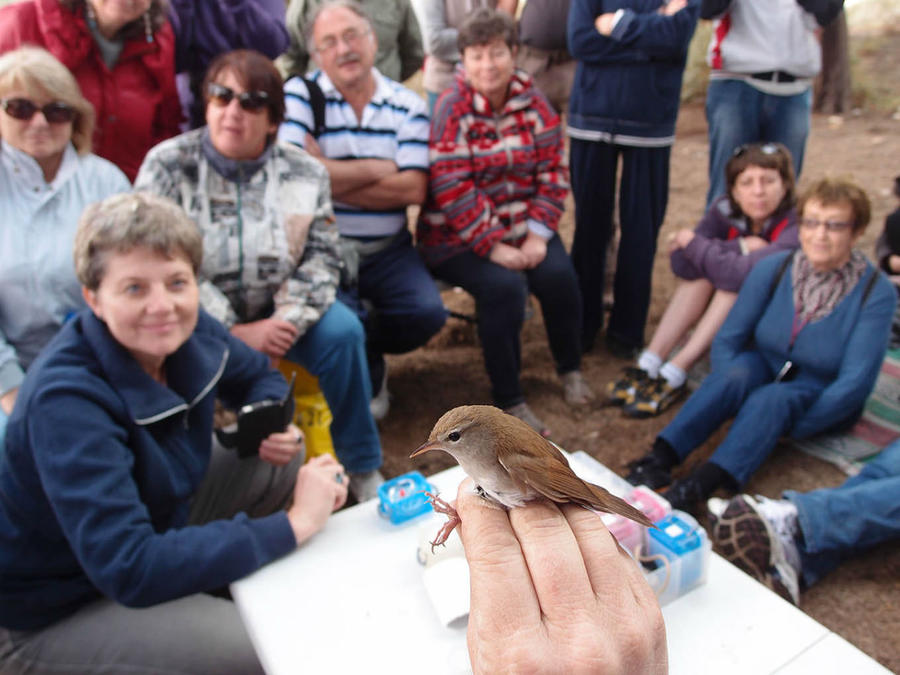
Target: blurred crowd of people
193,192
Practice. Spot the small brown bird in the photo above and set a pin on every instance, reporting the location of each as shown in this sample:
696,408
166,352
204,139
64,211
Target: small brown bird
511,464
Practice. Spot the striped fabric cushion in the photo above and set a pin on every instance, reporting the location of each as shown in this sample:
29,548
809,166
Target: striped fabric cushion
878,426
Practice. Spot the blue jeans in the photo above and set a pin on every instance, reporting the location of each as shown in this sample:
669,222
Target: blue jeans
840,522
738,113
500,295
763,411
643,195
406,307
333,350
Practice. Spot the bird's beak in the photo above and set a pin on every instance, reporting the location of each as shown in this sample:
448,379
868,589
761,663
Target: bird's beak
425,447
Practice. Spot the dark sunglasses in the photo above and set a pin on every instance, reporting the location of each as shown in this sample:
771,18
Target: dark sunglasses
251,101
23,109
765,148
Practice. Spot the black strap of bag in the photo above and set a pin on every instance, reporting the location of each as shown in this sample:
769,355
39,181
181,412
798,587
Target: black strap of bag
317,103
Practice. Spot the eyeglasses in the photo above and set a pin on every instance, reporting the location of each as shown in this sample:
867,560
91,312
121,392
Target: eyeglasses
23,109
251,101
350,37
830,225
765,148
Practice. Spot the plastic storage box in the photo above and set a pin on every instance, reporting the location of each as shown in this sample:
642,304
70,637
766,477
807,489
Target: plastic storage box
650,504
628,533
679,551
403,497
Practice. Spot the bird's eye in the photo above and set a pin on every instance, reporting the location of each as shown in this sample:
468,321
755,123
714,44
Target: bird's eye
453,436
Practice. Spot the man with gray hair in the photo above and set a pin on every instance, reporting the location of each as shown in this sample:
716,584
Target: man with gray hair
374,145
397,31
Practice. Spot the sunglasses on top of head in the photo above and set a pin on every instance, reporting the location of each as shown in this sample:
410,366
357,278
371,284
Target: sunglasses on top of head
23,109
764,148
251,101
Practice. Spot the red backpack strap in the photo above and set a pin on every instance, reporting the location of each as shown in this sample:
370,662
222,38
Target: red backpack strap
778,229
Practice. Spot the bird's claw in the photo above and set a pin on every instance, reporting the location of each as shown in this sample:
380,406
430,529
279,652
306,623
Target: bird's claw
453,519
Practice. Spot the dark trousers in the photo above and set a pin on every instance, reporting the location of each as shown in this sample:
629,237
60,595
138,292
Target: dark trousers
397,301
643,193
500,296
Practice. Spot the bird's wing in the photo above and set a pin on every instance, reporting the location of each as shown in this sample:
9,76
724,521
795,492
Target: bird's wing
545,469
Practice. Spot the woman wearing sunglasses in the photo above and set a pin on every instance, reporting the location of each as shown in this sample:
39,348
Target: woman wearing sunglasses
271,266
755,219
122,53
47,177
797,355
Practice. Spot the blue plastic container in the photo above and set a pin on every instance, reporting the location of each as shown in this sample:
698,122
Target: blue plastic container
403,498
677,533
685,545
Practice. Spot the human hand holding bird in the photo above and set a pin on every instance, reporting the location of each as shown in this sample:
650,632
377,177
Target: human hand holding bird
510,464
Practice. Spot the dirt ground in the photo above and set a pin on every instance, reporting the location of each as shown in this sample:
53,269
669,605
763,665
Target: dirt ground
859,601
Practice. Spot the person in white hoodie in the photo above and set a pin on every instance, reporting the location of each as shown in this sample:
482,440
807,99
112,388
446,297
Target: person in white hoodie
763,57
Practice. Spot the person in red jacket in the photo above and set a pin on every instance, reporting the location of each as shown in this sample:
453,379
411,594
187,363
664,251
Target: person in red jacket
123,56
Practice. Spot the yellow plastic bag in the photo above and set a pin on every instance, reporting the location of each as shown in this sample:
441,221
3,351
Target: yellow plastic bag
311,411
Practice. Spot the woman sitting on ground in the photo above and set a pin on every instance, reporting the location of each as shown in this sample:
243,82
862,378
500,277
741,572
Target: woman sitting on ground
754,220
123,56
496,194
117,514
271,267
47,176
798,353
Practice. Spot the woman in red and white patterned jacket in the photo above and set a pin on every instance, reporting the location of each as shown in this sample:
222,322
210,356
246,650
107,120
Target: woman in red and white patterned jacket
496,194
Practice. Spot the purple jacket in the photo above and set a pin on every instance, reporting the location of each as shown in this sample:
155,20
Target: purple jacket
206,28
715,253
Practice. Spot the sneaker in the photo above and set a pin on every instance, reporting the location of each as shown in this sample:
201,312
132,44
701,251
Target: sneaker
623,390
649,471
781,514
576,391
653,397
524,413
381,402
746,539
685,493
364,486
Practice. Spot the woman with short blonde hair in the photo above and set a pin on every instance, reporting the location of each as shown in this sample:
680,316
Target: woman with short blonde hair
37,73
120,516
47,176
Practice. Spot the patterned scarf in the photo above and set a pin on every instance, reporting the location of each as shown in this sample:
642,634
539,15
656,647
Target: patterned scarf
816,294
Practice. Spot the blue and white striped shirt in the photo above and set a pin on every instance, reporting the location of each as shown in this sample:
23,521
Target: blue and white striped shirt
394,126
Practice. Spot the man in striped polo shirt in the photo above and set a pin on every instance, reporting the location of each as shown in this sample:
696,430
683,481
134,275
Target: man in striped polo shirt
375,147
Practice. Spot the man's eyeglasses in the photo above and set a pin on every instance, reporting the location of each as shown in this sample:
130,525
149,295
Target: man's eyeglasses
350,37
830,225
251,101
23,109
765,148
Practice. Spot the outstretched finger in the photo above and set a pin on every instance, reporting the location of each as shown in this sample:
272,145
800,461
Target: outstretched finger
554,559
502,594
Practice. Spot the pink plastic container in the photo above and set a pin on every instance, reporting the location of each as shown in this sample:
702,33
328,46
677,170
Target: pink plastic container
651,504
627,532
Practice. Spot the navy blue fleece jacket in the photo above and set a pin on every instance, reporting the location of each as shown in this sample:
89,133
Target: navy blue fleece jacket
100,466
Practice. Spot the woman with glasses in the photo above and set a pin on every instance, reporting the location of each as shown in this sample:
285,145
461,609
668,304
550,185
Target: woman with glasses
797,355
754,220
122,55
47,176
271,266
